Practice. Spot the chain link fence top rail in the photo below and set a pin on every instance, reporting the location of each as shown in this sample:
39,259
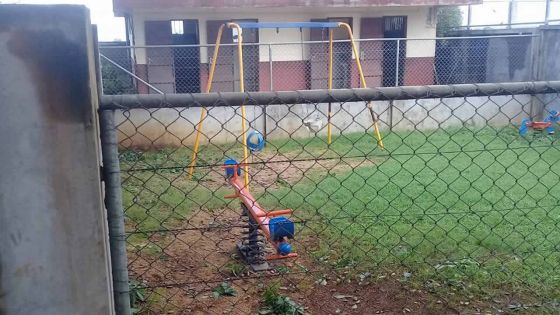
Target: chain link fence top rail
304,65
459,213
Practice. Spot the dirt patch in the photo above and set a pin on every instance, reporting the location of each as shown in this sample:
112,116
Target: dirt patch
384,297
195,260
278,169
192,262
271,171
199,256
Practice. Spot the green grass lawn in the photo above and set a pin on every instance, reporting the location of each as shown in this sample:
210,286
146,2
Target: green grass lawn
462,210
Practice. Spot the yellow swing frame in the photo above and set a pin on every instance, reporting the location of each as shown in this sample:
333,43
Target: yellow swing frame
238,27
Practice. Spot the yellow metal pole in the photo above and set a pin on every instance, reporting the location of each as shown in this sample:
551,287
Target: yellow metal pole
203,109
329,114
243,113
363,81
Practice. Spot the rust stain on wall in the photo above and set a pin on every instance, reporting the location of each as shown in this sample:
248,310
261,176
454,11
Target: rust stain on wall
58,70
56,59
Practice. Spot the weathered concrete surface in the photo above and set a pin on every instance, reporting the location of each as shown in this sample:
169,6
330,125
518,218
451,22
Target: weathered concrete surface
508,59
53,248
127,6
546,68
550,67
148,129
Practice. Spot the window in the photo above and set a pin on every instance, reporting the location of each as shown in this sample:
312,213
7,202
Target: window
177,27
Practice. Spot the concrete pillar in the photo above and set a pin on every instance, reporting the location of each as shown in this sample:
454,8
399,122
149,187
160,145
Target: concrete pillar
53,235
549,52
546,67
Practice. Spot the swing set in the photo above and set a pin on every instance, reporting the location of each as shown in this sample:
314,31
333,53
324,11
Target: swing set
276,228
239,26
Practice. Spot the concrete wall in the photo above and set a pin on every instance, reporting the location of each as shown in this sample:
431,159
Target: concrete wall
509,59
127,6
169,127
485,59
549,68
53,249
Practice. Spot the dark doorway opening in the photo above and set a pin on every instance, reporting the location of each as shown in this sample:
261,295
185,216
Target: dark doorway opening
342,56
224,72
394,52
372,51
226,76
250,58
186,60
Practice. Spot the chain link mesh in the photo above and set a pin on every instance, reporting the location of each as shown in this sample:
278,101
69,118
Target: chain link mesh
458,214
304,65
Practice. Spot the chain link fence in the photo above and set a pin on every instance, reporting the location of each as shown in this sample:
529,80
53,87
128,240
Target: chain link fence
304,65
459,213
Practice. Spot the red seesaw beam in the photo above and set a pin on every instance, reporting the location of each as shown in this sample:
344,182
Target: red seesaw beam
260,216
539,125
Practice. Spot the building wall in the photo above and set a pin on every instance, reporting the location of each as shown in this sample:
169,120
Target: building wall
420,24
122,6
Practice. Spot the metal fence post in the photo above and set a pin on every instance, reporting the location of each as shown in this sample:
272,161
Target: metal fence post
547,12
510,14
469,16
271,86
270,67
397,63
115,212
397,76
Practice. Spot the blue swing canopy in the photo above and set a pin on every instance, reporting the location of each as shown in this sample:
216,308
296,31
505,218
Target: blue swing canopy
288,24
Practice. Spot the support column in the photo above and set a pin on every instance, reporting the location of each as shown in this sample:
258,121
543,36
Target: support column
546,67
54,256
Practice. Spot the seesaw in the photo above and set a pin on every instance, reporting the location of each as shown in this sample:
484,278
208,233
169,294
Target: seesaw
547,125
275,228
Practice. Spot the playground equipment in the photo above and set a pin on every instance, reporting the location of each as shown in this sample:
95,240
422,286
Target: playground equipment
540,126
255,141
276,228
259,25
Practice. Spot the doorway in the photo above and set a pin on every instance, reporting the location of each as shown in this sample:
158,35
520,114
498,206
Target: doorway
173,69
186,60
371,51
394,53
250,58
342,56
226,76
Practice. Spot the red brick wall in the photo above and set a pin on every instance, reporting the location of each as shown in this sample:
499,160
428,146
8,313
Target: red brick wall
419,71
373,73
355,75
287,75
142,73
294,75
264,77
203,76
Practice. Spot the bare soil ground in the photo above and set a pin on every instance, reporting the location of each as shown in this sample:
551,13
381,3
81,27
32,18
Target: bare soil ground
385,297
201,255
270,174
271,171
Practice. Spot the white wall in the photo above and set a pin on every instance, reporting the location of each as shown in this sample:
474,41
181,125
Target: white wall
420,25
169,127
